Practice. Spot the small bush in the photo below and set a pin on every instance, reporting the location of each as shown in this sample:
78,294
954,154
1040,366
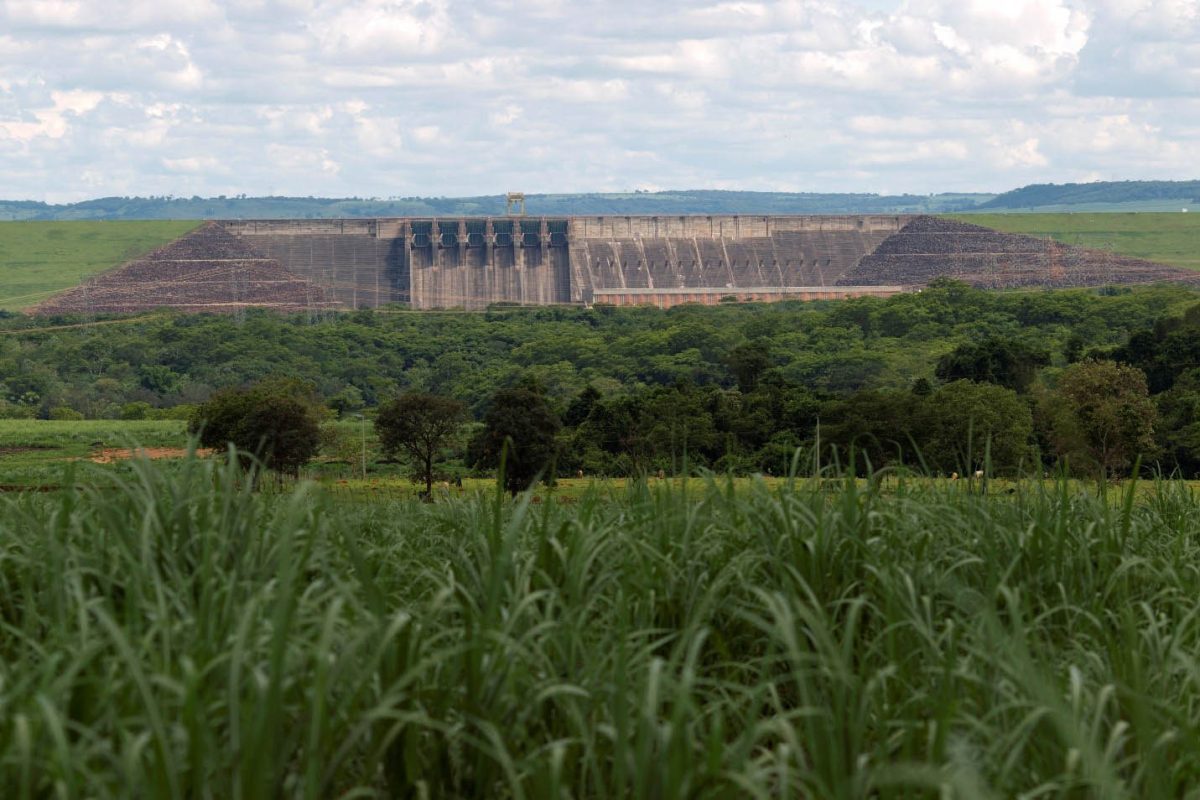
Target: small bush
183,411
139,409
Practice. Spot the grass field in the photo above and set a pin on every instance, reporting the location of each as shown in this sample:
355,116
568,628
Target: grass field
36,452
1166,238
38,259
181,636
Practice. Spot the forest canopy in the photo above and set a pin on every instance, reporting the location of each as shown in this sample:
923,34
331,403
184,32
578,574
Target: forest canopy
737,386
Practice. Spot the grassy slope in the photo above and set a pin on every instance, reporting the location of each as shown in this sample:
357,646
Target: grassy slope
1167,238
38,259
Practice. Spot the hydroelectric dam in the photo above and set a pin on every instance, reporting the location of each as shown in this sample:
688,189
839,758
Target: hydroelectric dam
471,263
474,262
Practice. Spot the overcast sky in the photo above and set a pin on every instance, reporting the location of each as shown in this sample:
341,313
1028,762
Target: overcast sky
464,97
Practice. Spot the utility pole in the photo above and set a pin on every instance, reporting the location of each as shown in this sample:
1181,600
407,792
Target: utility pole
363,418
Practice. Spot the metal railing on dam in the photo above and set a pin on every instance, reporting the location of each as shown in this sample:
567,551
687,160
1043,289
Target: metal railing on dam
471,263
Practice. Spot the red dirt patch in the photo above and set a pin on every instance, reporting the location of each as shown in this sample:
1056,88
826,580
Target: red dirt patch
111,454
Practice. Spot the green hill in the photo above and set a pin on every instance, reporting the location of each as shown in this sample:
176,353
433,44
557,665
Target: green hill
1100,196
38,259
1161,195
1166,238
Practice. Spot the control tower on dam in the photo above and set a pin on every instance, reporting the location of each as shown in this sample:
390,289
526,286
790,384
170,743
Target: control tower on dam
472,262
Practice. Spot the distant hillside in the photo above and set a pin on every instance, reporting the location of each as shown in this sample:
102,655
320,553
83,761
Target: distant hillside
1107,196
1103,193
680,202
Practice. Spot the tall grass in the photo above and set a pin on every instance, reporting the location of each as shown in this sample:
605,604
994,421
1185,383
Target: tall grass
181,636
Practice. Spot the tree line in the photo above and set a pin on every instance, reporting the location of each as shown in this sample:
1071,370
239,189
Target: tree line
986,411
924,379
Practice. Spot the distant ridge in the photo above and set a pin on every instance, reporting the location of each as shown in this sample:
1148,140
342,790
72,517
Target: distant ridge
1088,194
632,203
1102,196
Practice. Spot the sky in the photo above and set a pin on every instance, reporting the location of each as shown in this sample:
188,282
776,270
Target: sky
398,98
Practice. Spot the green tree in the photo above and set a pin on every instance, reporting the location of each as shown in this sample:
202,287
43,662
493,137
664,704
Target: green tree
617,427
1004,362
747,362
963,424
421,425
274,421
1101,414
877,425
581,406
1178,433
524,420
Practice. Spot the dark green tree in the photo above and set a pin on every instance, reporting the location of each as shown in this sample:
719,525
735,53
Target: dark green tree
422,426
747,362
964,425
1178,435
581,407
876,425
618,428
1005,362
524,420
1101,415
275,421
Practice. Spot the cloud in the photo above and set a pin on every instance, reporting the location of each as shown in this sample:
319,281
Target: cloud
442,97
53,121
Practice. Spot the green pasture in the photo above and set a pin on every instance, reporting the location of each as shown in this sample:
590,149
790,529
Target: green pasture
38,259
37,452
1172,238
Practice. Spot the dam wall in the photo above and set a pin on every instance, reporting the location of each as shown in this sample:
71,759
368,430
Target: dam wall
473,262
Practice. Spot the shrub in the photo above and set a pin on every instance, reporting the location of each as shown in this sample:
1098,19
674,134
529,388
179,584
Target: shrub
139,409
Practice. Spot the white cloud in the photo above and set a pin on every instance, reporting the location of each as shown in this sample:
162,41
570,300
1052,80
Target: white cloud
386,97
54,121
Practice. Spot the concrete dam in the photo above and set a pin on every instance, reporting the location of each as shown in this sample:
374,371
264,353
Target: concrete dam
471,263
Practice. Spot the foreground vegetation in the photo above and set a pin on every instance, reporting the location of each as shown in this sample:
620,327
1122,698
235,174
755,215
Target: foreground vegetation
184,636
38,259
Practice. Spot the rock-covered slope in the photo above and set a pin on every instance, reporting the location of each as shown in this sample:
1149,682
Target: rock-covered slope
209,269
928,248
